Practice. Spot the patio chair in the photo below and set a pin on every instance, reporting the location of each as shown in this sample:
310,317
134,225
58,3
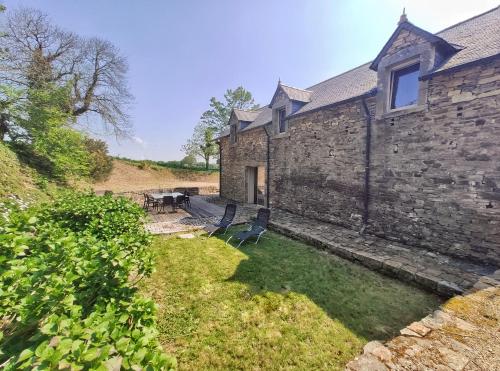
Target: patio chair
150,201
257,229
179,200
187,200
168,201
225,222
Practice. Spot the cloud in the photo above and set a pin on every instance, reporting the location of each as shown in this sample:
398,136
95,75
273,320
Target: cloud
139,141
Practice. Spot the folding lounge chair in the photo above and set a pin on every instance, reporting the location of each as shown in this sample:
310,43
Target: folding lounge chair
257,229
225,222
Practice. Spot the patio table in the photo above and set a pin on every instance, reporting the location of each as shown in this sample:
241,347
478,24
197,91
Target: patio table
159,196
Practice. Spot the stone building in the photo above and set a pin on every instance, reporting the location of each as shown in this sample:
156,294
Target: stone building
405,147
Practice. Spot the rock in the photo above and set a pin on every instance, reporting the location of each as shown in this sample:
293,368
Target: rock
366,363
407,332
454,360
377,349
464,325
419,328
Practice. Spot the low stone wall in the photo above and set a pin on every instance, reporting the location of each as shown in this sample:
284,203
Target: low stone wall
462,335
193,191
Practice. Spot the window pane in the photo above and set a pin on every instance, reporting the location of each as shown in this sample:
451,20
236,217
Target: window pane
281,119
405,86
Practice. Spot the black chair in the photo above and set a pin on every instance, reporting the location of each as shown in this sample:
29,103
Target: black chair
179,200
150,201
168,201
225,222
257,229
187,200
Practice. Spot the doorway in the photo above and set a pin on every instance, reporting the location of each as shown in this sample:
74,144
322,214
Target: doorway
251,184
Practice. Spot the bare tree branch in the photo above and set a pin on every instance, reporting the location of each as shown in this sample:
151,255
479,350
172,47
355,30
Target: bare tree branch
38,52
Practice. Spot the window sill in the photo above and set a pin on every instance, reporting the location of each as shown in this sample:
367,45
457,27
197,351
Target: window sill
286,134
403,111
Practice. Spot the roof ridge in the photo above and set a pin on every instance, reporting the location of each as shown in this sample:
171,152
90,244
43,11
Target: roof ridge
248,110
343,73
293,87
468,19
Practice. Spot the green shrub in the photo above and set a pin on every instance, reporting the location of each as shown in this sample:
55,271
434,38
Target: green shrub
67,287
100,163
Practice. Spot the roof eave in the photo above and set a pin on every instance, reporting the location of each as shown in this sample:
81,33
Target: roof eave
368,94
438,72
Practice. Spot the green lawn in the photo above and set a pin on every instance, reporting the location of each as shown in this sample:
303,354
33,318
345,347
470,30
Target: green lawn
277,305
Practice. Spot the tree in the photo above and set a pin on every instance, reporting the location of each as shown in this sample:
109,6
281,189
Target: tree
38,53
202,143
43,136
100,163
189,161
218,114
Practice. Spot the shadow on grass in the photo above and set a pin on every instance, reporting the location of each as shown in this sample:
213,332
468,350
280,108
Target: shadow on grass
369,304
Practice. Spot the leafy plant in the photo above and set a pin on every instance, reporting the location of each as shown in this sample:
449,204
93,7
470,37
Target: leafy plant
100,163
68,275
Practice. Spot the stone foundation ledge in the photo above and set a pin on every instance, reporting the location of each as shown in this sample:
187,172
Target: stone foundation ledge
461,335
425,277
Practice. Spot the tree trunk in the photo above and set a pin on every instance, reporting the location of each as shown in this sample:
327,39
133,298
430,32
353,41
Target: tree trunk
207,159
4,129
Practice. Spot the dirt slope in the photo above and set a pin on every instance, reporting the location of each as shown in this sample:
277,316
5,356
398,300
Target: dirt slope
126,177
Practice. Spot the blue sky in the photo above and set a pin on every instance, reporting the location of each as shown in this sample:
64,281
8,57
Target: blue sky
183,52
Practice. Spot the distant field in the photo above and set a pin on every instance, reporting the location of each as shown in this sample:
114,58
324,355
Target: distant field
137,176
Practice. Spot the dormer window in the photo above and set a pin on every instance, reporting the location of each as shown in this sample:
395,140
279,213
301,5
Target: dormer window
281,120
232,133
404,86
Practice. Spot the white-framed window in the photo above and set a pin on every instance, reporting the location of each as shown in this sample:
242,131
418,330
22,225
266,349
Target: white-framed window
404,86
282,120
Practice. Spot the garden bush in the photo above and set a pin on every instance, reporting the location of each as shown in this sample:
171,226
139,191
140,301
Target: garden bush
68,275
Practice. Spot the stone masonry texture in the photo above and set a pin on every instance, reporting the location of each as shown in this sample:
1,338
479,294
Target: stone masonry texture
434,171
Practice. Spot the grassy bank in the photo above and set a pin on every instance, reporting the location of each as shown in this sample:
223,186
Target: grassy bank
127,176
281,304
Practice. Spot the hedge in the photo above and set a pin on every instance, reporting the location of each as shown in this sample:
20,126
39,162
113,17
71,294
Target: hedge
68,298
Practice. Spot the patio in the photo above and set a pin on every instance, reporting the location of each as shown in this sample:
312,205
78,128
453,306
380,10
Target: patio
196,217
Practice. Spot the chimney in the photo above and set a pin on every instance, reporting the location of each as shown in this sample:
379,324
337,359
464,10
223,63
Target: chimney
403,18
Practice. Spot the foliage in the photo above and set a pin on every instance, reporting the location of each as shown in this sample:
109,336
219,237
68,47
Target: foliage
188,161
213,121
279,305
42,130
101,164
202,143
37,53
218,115
68,272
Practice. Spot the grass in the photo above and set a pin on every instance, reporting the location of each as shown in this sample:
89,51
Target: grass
19,179
278,305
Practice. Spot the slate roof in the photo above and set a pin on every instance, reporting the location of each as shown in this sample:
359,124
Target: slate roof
297,94
476,38
265,117
354,83
479,36
244,115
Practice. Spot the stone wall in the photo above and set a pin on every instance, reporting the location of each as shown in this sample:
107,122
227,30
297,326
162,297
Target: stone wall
435,174
435,171
249,150
317,168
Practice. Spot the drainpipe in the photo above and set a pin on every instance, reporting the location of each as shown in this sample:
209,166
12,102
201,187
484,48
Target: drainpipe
220,169
366,201
268,155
